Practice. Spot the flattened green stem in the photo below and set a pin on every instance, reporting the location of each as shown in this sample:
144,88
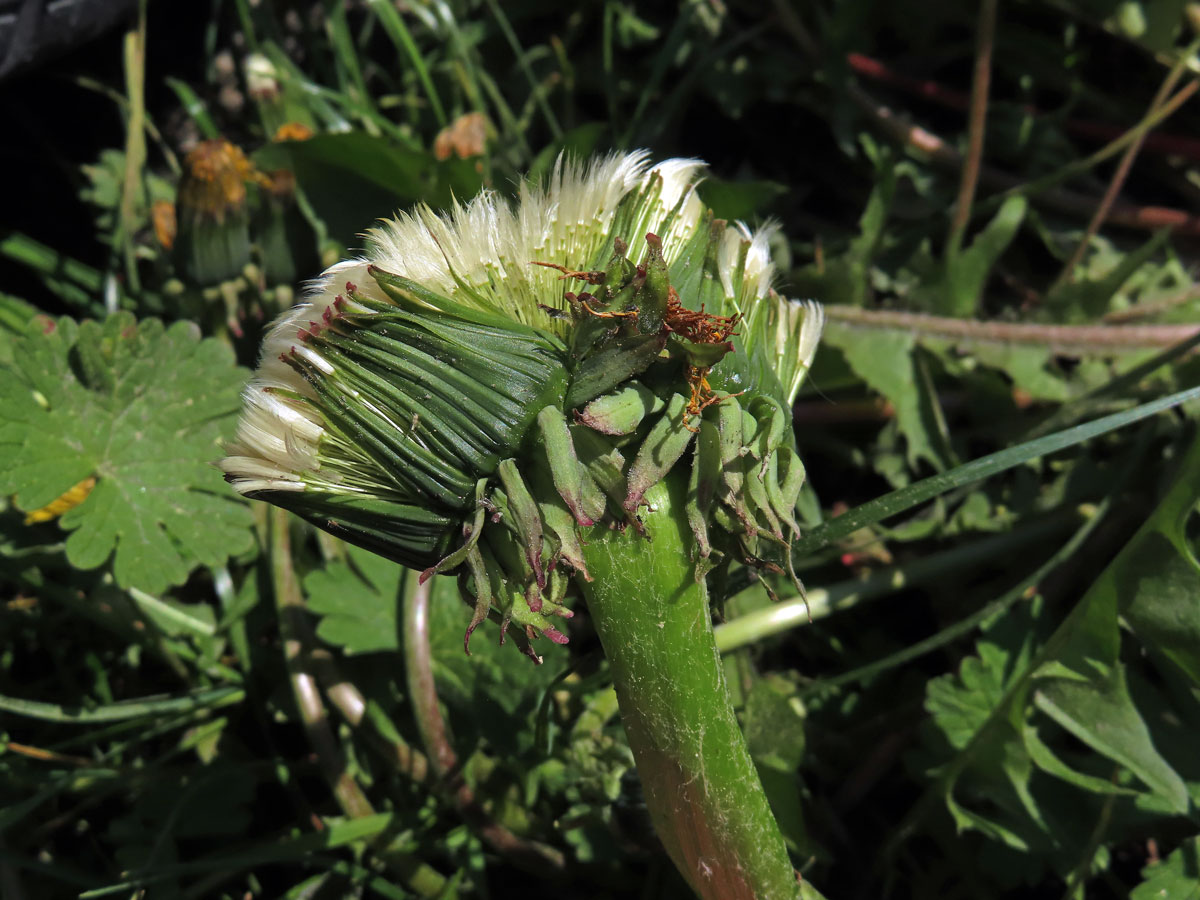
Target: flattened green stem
702,790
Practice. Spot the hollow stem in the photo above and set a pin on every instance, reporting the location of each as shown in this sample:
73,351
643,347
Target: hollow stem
702,790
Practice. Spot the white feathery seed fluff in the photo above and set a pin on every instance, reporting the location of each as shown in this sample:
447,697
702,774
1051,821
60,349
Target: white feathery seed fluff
489,245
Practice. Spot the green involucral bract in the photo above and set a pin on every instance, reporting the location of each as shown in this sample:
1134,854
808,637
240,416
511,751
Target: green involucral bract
488,383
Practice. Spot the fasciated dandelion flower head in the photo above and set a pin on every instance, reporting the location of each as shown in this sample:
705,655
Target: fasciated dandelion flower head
398,405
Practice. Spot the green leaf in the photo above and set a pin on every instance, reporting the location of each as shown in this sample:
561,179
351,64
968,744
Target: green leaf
1151,585
773,722
1175,878
1087,300
963,704
1030,368
887,362
968,271
1156,577
1102,715
356,601
142,409
953,286
350,179
738,199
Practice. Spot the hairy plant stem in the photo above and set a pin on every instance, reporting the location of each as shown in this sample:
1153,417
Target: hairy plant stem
1084,340
702,790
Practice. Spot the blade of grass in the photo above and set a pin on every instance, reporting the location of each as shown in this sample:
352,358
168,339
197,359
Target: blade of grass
965,625
393,24
307,847
610,76
513,128
76,284
977,470
821,602
135,147
195,108
346,55
246,17
538,92
125,709
152,606
320,99
662,62
37,256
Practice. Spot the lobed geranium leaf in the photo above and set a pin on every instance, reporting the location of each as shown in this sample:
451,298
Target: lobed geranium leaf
141,408
356,601
1176,877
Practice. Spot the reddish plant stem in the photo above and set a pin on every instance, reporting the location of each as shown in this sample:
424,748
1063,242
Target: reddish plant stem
1118,179
905,134
532,856
927,89
294,631
976,124
421,878
349,701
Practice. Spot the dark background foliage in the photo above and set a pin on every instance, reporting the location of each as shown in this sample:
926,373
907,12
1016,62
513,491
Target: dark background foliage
997,694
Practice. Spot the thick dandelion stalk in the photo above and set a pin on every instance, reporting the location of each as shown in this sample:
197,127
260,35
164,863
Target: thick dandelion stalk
581,397
701,786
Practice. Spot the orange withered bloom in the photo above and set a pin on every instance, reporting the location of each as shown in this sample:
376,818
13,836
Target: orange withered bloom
213,241
215,176
162,215
292,131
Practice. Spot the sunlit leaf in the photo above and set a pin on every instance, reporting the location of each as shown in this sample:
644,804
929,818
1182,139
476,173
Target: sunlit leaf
1175,878
142,410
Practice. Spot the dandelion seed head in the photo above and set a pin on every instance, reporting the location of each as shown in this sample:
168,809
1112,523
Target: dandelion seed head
479,253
